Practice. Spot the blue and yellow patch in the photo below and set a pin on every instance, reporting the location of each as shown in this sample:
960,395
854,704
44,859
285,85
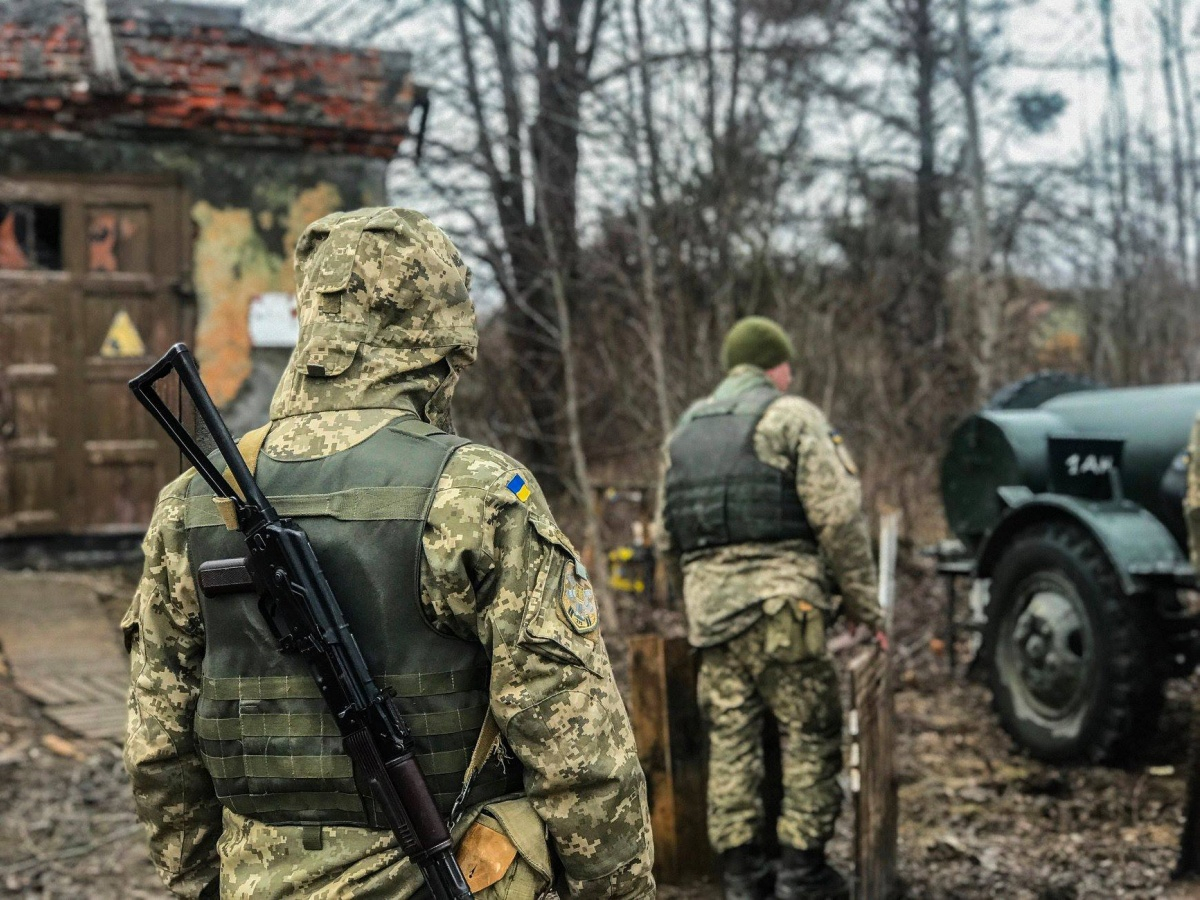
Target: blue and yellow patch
518,486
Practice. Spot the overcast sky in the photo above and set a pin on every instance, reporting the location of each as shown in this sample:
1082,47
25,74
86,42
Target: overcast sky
1055,45
1059,40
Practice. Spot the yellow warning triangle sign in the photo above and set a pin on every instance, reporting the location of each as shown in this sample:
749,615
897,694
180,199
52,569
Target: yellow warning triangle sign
122,338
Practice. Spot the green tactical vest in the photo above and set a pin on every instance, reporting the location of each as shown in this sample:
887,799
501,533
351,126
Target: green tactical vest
718,491
265,736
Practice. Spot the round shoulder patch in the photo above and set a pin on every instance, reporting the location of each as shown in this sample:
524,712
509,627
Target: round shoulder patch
578,601
843,452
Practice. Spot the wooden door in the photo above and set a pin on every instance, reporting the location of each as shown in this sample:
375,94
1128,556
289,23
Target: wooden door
88,276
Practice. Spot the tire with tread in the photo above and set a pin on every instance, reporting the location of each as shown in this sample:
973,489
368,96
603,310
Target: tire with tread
1119,705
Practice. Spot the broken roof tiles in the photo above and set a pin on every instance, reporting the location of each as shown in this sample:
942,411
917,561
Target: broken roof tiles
194,68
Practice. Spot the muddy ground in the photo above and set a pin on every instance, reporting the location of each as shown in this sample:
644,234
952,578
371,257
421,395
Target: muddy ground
978,819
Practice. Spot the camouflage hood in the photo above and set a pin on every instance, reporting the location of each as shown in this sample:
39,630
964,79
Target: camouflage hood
385,316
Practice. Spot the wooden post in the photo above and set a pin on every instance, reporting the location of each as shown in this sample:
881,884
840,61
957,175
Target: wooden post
873,775
889,539
1188,863
670,739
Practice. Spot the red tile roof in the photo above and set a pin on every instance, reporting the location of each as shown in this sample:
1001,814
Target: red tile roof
197,69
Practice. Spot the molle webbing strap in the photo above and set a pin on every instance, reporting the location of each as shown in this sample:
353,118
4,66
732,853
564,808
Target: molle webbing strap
249,446
279,687
364,504
290,766
322,724
284,808
324,766
297,801
488,742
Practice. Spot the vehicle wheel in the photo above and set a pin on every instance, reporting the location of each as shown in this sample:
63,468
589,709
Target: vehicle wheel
1071,673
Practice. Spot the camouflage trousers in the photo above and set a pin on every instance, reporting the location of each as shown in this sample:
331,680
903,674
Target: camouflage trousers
739,681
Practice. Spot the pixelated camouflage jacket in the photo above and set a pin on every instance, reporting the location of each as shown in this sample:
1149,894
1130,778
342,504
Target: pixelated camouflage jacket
1191,503
386,326
727,589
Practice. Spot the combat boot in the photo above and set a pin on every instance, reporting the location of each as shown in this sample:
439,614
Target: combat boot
805,875
745,874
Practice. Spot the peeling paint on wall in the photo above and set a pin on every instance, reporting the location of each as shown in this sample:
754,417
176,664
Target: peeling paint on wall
248,207
232,266
239,256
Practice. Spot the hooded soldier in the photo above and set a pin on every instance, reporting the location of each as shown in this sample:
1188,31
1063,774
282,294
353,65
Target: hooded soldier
760,506
465,597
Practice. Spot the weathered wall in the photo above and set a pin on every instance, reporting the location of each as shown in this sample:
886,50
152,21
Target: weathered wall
197,69
248,208
266,135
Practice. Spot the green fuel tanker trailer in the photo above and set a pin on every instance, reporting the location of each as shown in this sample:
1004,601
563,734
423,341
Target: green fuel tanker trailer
1067,499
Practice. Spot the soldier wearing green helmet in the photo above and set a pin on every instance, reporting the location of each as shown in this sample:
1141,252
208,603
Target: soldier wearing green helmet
761,524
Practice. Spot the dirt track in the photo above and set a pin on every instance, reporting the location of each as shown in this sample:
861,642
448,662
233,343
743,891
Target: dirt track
67,828
977,819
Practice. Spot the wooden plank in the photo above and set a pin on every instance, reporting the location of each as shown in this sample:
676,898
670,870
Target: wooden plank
100,723
86,457
872,774
64,652
670,739
44,690
889,540
31,381
88,714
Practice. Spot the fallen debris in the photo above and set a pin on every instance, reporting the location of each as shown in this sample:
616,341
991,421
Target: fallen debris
62,747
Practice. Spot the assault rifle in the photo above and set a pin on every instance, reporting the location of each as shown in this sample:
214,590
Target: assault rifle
305,618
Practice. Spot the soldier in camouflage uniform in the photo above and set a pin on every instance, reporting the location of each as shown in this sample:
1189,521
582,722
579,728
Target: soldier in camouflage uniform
484,615
761,524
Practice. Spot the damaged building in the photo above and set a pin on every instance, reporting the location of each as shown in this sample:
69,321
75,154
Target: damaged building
157,163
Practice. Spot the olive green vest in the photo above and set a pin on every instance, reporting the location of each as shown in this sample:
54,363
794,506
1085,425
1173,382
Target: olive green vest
718,491
264,734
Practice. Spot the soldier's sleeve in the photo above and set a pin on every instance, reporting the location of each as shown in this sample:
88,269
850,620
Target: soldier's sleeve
172,792
1192,501
496,559
664,544
828,487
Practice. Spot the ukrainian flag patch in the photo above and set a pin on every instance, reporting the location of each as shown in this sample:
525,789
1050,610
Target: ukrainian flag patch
518,486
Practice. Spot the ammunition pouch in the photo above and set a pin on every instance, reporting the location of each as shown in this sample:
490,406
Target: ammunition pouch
505,852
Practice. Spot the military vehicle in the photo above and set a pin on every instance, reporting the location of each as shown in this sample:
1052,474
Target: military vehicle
1067,502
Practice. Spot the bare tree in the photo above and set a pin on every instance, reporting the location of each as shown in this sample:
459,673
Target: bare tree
530,161
1115,313
982,293
1179,173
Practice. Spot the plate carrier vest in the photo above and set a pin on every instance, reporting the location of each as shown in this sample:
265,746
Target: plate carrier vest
718,491
263,731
